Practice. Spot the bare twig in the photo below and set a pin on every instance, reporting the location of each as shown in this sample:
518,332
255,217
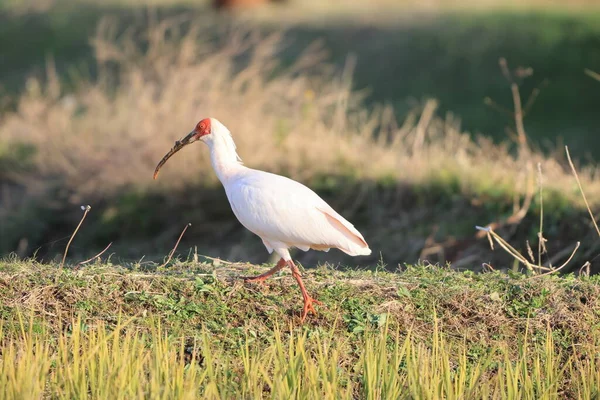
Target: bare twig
585,267
518,114
529,251
488,266
533,266
534,94
592,74
96,256
562,266
541,239
520,258
523,146
581,190
176,244
557,257
510,249
86,210
533,97
504,68
488,101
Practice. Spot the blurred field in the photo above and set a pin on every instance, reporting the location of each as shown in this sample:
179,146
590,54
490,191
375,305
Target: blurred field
405,51
135,331
98,91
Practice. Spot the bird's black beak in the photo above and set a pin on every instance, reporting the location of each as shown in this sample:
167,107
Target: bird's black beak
180,144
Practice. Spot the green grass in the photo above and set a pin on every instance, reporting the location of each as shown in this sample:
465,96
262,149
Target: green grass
191,329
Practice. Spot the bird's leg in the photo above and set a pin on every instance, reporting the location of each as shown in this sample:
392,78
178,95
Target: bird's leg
260,278
308,301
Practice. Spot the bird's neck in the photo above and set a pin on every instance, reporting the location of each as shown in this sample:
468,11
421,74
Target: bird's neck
224,158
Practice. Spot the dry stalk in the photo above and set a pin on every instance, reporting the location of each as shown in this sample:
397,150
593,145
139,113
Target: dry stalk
523,146
592,74
493,236
508,248
541,239
86,210
519,257
96,256
587,205
562,266
176,244
518,114
518,215
585,269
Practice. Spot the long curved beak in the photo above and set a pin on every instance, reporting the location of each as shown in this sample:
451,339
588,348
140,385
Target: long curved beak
180,144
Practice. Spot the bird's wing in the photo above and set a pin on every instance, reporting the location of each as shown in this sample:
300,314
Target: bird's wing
281,210
342,224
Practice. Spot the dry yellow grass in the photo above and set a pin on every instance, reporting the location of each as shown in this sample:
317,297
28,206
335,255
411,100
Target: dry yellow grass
122,363
302,120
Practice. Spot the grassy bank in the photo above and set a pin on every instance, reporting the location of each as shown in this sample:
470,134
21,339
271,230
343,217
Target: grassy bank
190,328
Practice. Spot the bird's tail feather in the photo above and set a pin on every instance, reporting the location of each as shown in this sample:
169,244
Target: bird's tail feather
355,244
363,251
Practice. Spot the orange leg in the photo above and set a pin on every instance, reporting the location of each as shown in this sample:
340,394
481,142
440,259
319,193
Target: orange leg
260,278
308,301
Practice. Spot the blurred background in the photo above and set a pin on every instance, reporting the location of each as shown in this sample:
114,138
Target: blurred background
404,115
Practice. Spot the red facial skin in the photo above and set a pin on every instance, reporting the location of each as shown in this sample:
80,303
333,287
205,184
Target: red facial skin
202,128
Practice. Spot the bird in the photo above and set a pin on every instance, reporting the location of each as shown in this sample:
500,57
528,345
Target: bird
282,212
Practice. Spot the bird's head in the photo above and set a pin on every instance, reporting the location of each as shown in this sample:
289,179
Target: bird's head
203,130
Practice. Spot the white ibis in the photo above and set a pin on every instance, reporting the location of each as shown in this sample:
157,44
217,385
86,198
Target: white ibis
281,211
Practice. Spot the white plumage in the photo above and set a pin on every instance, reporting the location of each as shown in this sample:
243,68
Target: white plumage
281,211
285,213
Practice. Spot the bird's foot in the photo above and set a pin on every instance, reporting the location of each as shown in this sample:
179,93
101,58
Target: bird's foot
308,306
